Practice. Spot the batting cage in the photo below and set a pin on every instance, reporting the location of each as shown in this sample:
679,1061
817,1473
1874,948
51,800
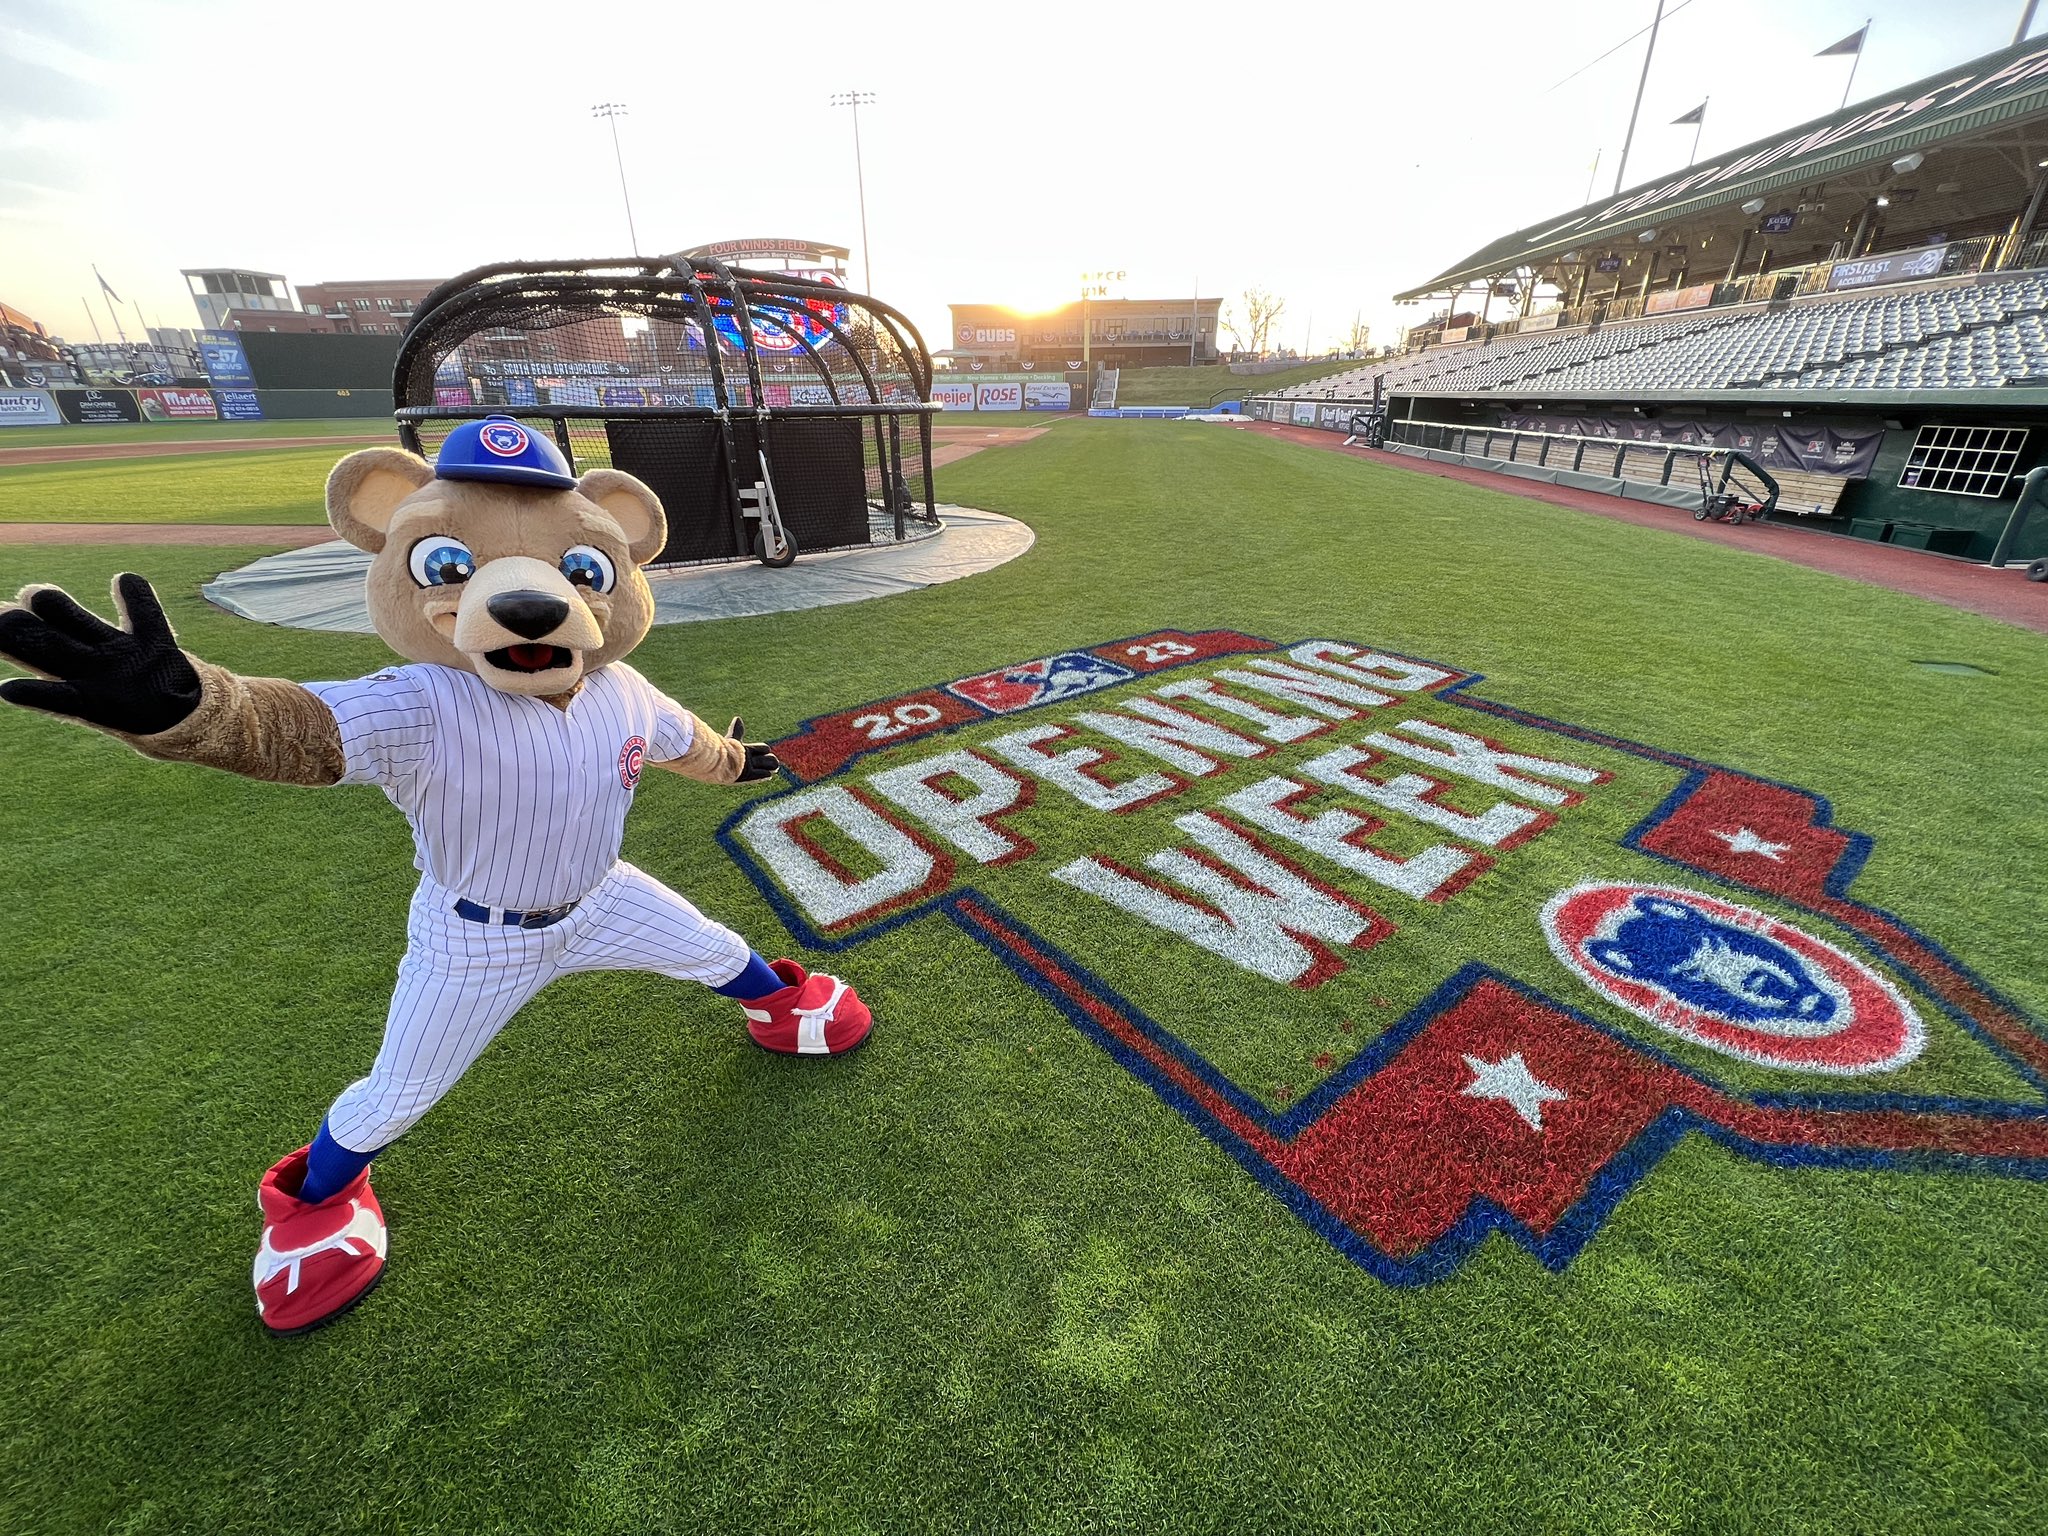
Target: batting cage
772,413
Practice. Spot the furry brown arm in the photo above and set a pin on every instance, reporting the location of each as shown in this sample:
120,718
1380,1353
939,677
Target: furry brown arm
713,758
260,727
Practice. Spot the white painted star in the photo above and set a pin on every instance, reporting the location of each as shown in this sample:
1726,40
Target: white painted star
1742,840
1511,1079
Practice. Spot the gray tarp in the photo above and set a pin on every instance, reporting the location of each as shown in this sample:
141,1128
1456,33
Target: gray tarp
322,587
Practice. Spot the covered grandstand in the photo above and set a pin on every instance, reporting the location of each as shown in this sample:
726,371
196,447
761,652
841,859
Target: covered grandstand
1859,303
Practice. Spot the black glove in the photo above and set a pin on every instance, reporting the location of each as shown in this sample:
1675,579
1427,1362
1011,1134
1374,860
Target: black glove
133,680
762,763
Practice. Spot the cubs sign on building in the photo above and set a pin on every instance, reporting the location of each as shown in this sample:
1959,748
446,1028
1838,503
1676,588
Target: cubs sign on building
1428,966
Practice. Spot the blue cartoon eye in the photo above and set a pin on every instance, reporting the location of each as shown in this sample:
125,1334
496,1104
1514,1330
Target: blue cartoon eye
587,567
440,560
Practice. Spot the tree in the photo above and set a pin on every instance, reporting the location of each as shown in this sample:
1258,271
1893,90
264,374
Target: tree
1261,313
1359,341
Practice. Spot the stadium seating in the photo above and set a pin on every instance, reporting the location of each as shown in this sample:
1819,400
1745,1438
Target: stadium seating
1959,336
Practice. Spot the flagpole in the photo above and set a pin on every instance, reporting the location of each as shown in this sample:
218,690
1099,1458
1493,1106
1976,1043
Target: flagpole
1594,173
1622,169
114,316
1697,131
1855,60
95,321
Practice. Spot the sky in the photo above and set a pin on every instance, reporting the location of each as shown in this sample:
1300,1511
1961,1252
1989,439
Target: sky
1330,153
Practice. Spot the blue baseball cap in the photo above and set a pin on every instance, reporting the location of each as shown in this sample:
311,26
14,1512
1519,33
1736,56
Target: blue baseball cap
499,448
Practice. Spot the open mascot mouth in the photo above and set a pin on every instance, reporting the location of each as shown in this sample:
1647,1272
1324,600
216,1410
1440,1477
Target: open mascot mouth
530,658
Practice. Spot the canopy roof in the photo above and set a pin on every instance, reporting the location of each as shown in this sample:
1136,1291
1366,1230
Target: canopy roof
1950,107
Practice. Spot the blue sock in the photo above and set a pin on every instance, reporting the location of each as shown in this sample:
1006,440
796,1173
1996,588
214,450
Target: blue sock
757,980
330,1167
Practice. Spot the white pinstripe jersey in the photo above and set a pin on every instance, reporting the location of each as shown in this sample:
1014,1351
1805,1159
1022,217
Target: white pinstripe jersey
513,802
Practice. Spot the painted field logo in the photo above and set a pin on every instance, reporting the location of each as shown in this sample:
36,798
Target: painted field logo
1733,979
1428,966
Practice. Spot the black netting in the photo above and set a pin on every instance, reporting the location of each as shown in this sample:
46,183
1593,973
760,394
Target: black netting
683,376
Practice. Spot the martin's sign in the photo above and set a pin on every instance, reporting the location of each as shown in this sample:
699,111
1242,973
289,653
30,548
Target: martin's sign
1428,966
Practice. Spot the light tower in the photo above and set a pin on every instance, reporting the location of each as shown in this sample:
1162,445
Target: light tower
612,111
857,100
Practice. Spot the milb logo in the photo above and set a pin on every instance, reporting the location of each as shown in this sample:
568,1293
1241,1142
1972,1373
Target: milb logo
1426,965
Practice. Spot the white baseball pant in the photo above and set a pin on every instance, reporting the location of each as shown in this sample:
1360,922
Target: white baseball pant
460,981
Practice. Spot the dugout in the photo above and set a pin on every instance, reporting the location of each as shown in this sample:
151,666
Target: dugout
773,414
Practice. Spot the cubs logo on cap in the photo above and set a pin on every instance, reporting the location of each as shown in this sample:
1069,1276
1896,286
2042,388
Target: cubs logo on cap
499,448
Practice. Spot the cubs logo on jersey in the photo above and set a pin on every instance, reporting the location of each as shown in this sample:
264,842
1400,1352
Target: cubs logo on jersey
1428,966
1044,681
631,757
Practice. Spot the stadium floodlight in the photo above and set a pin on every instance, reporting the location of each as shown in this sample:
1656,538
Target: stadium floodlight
1754,205
857,100
1647,236
1884,202
1905,165
613,111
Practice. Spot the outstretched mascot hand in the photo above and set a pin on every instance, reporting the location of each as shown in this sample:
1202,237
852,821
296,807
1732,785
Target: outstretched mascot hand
762,763
134,679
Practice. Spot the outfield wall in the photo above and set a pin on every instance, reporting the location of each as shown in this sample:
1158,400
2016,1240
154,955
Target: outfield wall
83,407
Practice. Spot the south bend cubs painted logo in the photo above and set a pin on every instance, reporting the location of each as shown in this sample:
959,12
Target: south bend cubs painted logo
1427,966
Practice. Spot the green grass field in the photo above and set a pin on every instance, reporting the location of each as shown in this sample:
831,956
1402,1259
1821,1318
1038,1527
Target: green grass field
192,431
978,1277
1205,386
263,485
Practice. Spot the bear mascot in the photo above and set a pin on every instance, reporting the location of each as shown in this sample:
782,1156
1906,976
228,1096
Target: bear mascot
512,743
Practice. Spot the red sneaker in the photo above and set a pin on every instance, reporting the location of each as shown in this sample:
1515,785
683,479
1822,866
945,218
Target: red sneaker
812,1016
315,1261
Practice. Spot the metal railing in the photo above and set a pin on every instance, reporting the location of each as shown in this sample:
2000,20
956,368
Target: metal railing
1558,450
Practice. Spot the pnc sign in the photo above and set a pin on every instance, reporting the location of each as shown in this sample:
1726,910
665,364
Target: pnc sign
1426,965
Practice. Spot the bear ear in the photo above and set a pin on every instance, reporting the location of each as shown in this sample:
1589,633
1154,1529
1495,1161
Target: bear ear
636,510
365,490
1611,954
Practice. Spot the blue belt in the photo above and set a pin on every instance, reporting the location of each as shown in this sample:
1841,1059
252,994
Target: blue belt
544,918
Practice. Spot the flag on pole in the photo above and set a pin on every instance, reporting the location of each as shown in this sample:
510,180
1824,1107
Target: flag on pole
106,287
1853,43
1697,115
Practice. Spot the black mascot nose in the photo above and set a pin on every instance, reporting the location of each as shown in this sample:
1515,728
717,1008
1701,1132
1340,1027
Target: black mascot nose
528,614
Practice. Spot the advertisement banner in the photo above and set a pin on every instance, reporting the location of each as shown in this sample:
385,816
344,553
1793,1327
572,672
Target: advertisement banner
518,392
1454,333
998,395
1779,223
1304,413
221,355
1789,445
621,394
1696,297
1901,267
1048,395
1547,321
951,396
238,404
28,408
987,336
97,407
177,405
1607,264
774,394
810,394
453,394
